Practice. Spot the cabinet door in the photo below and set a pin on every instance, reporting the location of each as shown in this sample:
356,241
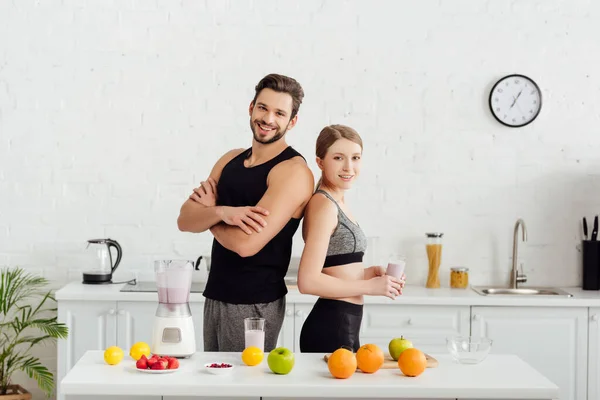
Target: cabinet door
552,340
594,354
286,335
135,322
92,326
425,326
198,318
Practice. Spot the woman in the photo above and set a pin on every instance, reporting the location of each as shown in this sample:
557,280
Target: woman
331,264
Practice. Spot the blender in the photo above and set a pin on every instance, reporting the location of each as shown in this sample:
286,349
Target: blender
173,330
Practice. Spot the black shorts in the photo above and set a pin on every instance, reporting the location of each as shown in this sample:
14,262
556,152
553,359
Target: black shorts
330,325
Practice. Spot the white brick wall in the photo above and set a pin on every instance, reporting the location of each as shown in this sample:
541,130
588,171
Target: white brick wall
111,111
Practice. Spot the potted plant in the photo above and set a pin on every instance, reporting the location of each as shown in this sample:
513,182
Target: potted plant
27,318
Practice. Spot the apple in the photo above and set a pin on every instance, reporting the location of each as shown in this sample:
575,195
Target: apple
281,360
397,346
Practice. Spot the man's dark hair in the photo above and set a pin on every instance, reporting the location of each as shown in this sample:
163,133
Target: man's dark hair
282,84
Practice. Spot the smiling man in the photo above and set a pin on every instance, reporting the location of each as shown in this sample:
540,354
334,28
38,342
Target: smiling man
252,202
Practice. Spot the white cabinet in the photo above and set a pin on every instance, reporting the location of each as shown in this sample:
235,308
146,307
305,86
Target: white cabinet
425,326
96,325
286,335
197,310
134,322
92,326
552,340
594,354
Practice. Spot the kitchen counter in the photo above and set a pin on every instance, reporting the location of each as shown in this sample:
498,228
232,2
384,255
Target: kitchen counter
413,295
499,376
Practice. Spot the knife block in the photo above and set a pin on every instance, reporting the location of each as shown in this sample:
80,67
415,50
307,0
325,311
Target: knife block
591,265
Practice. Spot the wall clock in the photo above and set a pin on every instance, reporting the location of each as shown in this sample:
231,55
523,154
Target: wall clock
515,100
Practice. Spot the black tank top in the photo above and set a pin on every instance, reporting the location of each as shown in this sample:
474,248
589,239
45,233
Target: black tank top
259,278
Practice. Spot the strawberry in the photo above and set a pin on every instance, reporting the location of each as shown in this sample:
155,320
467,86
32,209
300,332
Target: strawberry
142,363
173,363
158,365
151,362
164,362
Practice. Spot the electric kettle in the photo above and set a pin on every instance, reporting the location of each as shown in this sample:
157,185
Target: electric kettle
100,262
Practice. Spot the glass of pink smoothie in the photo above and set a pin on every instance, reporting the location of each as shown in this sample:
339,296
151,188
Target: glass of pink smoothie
396,267
254,329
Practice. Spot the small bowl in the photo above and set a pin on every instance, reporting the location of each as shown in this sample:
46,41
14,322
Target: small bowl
218,371
468,349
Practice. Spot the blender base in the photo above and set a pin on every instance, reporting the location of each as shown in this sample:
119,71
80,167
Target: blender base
173,336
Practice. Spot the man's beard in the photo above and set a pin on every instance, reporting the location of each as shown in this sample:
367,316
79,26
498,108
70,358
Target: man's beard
278,135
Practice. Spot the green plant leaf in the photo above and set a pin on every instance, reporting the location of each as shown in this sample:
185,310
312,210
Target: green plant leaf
24,324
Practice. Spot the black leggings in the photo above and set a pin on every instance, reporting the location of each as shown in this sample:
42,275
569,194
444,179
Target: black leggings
330,325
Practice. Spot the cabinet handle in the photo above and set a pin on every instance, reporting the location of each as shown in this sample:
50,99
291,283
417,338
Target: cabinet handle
409,322
111,311
289,313
299,313
476,317
594,317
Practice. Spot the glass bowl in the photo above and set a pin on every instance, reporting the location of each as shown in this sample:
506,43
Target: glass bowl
468,349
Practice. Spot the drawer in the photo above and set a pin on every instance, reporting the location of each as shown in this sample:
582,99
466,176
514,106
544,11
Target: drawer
426,326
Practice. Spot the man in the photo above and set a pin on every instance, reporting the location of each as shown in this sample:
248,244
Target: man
252,202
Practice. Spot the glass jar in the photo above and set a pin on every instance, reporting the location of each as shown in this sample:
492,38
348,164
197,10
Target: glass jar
434,257
459,277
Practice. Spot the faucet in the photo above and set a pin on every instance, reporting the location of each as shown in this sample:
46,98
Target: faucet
515,277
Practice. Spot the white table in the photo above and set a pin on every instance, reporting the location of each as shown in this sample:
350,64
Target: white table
498,377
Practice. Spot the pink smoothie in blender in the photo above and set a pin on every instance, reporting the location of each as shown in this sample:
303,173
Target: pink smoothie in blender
173,280
173,329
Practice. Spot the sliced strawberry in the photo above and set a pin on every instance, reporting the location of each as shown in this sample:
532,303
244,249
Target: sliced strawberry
173,363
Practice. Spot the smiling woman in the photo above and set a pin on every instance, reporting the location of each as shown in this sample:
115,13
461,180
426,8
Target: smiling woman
331,264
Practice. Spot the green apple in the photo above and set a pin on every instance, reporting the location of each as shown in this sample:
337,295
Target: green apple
397,346
281,360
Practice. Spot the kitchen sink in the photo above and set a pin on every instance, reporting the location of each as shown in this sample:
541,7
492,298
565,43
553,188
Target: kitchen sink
528,291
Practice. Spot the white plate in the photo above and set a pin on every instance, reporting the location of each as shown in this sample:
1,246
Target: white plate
155,371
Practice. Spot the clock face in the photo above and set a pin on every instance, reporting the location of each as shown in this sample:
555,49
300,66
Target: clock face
515,100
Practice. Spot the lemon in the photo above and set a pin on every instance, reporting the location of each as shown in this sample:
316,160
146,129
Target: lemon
252,356
113,355
138,349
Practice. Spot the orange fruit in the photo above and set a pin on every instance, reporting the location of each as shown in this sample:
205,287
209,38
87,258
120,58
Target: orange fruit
252,356
342,363
412,362
369,358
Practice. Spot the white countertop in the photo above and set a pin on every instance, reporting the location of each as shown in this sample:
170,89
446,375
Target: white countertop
413,295
499,376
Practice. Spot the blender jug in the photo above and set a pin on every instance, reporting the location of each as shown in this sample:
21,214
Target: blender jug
173,280
101,266
173,331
